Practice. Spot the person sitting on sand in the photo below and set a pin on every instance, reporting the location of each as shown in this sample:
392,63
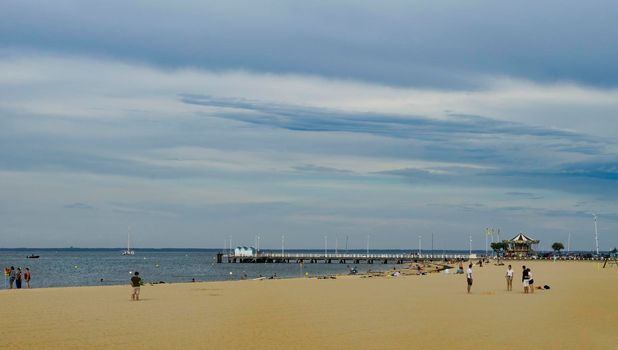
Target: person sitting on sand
460,268
136,282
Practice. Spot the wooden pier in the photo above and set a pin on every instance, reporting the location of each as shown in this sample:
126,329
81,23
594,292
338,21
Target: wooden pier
335,258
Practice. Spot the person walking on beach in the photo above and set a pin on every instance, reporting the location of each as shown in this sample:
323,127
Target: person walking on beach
525,278
530,281
27,277
12,277
136,282
469,277
509,278
18,278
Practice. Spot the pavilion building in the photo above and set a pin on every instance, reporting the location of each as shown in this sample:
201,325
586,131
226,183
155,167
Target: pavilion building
520,246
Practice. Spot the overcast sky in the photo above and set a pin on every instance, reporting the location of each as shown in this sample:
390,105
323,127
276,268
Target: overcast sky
191,122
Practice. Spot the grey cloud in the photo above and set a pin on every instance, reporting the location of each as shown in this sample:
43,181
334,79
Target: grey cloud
320,169
317,119
556,213
440,44
598,187
526,195
79,205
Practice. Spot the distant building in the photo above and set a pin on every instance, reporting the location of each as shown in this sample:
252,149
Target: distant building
245,251
520,246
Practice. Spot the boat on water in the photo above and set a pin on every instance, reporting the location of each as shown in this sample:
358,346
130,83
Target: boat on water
129,251
32,256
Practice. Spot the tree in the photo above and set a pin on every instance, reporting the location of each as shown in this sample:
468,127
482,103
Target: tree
557,246
499,247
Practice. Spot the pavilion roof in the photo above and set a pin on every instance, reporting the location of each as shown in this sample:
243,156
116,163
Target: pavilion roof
522,238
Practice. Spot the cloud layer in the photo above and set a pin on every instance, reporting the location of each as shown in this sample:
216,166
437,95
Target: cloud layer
198,122
410,43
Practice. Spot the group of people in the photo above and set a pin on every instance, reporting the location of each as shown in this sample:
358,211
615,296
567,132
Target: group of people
16,276
526,278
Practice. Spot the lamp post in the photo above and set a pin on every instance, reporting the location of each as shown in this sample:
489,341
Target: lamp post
596,234
325,246
432,244
470,244
336,245
419,245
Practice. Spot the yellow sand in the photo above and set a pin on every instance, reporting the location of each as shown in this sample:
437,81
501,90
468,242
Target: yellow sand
429,312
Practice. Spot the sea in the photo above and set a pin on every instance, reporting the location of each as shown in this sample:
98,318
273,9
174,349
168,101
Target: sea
95,267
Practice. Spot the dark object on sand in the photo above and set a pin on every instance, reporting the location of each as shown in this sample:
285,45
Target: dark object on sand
32,256
546,287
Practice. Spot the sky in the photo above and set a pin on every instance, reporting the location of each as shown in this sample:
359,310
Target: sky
191,123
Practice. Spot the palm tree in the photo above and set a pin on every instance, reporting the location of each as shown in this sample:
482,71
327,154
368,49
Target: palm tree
557,247
499,247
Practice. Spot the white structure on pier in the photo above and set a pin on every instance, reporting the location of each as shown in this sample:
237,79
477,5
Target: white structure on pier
245,251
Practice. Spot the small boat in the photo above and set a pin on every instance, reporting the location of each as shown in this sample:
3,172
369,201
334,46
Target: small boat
128,252
32,256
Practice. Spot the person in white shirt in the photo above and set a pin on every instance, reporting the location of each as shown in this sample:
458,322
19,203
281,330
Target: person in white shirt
509,278
469,277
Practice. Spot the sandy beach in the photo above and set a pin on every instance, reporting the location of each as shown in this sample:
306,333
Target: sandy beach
433,312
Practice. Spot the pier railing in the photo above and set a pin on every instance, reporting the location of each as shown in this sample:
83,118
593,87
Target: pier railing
359,256
356,258
385,258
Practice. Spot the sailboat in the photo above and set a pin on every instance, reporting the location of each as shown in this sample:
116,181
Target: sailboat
128,251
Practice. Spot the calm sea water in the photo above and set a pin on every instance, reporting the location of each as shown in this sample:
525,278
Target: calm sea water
59,268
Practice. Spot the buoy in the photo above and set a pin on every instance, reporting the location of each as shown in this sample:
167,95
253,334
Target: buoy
75,266
231,273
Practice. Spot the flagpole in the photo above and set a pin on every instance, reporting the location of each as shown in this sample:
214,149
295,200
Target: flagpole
486,247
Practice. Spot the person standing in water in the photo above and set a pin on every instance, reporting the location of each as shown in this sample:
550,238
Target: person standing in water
469,277
12,277
509,278
18,278
27,277
136,282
